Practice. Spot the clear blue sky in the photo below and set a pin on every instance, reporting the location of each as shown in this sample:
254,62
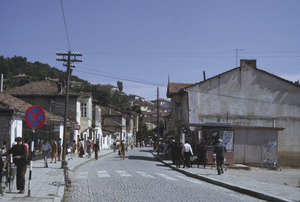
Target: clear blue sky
146,40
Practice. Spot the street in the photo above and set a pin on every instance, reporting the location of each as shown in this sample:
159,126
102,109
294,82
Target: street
141,178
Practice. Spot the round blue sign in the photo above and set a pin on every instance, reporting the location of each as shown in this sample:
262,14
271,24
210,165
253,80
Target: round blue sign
35,117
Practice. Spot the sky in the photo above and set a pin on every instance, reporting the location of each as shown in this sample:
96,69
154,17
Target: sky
145,43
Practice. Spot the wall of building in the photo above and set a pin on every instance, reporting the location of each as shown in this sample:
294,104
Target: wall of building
247,96
16,128
251,146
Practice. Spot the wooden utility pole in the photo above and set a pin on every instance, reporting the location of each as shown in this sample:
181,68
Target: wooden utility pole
66,57
157,108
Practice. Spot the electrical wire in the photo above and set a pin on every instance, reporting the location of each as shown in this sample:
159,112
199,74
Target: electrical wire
124,79
63,12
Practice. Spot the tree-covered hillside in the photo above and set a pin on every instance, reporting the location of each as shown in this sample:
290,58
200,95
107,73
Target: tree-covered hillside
37,71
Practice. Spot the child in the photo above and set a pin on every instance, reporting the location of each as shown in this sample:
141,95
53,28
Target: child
214,161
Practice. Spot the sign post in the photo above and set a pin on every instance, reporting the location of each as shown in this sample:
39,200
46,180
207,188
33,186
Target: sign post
35,118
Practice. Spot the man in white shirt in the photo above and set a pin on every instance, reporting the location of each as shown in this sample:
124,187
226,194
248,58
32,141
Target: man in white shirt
187,152
46,148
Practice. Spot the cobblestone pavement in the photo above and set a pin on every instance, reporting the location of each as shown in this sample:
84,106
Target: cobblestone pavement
140,177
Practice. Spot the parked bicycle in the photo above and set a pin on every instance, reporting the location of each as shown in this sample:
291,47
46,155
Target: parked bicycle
8,177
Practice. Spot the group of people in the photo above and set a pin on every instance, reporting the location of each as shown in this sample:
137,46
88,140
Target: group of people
21,155
54,148
89,147
184,153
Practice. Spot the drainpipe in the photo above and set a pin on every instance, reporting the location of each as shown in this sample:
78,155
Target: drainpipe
274,121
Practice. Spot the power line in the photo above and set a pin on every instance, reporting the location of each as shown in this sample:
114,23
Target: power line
189,54
124,79
63,12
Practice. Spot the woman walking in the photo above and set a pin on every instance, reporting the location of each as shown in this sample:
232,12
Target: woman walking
54,150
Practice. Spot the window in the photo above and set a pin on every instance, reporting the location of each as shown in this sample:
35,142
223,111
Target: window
83,110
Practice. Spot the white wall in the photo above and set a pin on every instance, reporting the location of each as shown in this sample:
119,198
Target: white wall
16,128
250,97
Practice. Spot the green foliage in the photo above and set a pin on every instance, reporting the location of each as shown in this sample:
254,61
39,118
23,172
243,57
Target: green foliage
38,71
161,129
120,100
120,86
143,132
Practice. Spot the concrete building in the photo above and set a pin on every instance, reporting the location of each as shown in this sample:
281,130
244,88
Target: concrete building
243,97
12,121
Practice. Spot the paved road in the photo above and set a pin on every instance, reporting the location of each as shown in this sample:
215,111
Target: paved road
141,178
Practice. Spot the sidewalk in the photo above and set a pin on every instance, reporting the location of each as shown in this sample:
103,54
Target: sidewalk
268,185
47,184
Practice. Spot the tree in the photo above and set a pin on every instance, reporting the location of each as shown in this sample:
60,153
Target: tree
120,86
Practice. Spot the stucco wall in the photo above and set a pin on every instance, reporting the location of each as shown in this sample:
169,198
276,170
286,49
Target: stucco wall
251,146
250,97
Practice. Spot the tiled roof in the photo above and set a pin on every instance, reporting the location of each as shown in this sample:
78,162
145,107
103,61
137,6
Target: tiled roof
143,103
110,122
40,88
105,111
20,107
174,88
160,100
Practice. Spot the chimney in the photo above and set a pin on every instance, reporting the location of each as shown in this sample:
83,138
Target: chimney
248,64
204,77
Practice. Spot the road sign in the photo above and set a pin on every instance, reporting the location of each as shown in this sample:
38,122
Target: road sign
76,127
35,117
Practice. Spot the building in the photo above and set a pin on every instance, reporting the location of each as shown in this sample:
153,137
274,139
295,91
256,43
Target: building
12,121
50,95
261,109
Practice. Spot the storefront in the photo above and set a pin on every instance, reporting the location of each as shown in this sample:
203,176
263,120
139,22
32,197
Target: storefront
244,144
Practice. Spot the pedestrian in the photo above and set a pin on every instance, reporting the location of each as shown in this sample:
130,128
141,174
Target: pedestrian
202,156
74,147
46,148
122,149
114,146
81,150
20,155
89,149
96,148
178,155
59,148
172,146
54,147
78,146
187,152
86,143
220,151
214,161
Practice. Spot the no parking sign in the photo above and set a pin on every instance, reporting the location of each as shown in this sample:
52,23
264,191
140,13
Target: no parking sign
35,116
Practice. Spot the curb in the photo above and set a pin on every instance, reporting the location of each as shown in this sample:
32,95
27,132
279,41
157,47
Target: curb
243,190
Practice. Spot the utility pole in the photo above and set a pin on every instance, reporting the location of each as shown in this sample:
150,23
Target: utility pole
69,58
157,108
